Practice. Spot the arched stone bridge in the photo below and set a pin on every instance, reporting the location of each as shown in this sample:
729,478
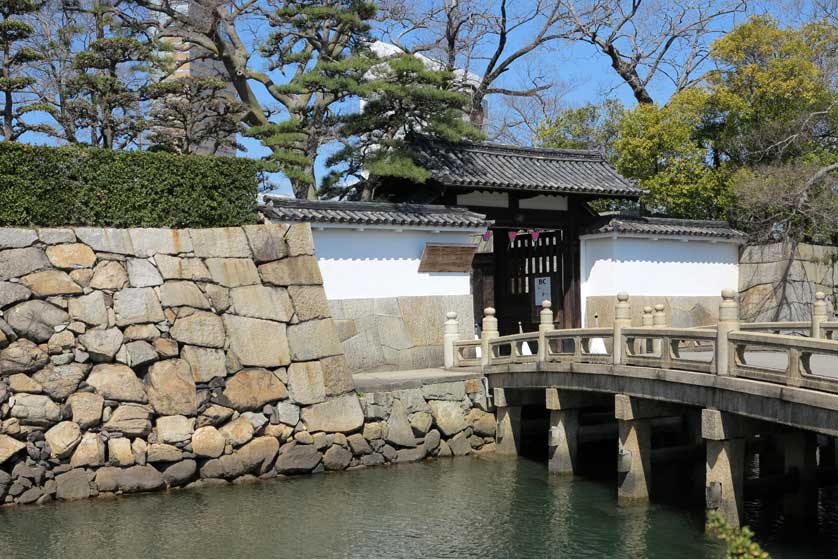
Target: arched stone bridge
745,380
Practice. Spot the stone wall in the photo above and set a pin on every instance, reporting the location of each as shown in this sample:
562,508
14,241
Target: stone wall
136,360
681,312
439,419
778,283
397,333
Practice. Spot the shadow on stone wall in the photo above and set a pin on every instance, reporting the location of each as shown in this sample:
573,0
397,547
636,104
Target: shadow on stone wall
778,281
397,333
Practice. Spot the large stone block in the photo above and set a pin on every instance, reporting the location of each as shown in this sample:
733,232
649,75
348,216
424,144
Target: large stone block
11,293
102,345
35,409
129,480
233,272
142,273
337,376
18,262
51,282
71,257
207,442
259,301
17,237
109,275
117,382
56,235
338,415
90,309
251,389
100,239
35,320
62,439
148,242
309,301
448,416
183,294
399,431
305,383
60,381
454,391
73,486
220,242
86,408
22,356
267,242
9,447
313,339
137,306
258,343
175,428
130,419
201,328
192,269
205,363
171,389
294,270
138,353
300,240
89,452
120,452
297,459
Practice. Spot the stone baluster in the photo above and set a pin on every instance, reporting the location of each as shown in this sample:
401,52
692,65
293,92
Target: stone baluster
545,324
647,321
451,333
658,321
819,314
728,322
622,319
490,332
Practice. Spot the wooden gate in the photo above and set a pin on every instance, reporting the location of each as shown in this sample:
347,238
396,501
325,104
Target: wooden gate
529,270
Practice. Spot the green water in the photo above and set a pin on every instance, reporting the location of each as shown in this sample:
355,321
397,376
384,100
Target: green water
491,507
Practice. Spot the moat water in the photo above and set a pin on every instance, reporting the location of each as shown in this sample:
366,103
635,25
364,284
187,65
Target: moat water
488,507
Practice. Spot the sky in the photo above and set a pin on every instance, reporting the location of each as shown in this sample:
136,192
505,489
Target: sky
581,74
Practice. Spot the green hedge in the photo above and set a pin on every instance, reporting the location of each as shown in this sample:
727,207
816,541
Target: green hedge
48,186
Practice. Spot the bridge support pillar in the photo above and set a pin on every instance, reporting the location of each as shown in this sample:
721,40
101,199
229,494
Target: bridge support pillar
800,458
634,429
634,463
563,441
724,435
509,424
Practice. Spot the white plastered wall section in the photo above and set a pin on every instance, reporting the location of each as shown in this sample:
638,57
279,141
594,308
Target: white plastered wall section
379,263
655,266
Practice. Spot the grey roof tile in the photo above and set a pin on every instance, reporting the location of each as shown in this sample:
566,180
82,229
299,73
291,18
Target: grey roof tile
501,167
370,213
666,226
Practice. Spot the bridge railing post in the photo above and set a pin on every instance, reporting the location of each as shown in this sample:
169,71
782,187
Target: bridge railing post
728,322
819,315
545,324
659,321
490,332
622,319
647,320
450,334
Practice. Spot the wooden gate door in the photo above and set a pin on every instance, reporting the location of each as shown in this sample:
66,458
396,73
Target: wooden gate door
528,271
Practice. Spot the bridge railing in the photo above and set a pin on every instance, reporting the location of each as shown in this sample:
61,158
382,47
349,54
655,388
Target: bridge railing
730,348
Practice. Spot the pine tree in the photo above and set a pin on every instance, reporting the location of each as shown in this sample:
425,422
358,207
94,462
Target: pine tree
193,114
14,32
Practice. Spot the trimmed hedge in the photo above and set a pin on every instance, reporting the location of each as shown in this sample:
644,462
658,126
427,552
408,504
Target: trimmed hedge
72,185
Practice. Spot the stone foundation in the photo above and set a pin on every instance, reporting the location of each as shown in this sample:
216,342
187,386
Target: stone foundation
143,359
775,284
398,333
681,312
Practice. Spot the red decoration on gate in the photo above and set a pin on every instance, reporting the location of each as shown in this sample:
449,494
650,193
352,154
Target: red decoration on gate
535,235
512,235
486,236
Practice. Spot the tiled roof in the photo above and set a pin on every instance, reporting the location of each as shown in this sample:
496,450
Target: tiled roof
500,167
371,213
666,226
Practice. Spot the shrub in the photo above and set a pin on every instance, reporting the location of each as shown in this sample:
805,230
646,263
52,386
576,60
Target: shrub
72,185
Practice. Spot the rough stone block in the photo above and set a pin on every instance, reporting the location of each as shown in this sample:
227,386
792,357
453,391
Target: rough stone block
110,276
296,270
17,237
233,272
205,363
51,282
338,415
192,269
200,328
258,343
142,273
267,242
171,389
220,242
313,339
18,262
182,294
56,235
148,242
11,293
90,309
309,302
258,301
117,382
137,306
251,389
71,256
100,239
305,383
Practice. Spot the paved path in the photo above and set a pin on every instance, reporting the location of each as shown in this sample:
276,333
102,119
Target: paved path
399,380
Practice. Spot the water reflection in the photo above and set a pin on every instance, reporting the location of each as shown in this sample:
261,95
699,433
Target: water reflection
491,507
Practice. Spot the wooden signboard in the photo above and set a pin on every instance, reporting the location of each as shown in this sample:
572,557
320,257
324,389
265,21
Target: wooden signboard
446,258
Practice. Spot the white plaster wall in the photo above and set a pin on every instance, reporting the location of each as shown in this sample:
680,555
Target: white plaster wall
656,267
377,263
